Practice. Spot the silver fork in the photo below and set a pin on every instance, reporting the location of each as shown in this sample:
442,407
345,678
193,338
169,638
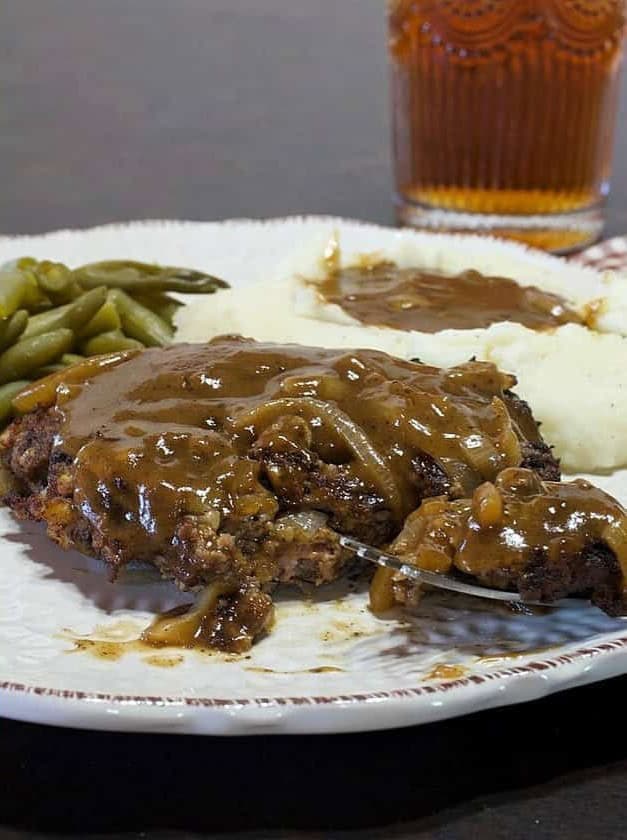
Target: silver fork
442,581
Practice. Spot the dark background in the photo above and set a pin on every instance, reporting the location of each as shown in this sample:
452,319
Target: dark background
207,109
198,109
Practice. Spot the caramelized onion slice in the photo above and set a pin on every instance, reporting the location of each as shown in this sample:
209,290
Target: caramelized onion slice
181,629
507,439
381,591
373,463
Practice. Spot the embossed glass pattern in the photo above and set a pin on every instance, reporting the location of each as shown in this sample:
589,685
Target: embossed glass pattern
503,114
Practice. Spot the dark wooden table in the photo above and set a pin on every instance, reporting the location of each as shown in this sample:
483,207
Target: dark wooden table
207,109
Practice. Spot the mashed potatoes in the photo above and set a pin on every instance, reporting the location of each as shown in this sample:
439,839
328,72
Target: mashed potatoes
576,382
575,379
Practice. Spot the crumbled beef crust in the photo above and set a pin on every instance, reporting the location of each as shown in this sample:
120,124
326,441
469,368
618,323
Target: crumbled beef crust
27,444
302,480
238,619
430,479
594,572
520,410
537,456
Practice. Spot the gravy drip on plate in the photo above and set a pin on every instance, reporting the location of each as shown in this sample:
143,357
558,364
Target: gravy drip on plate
382,294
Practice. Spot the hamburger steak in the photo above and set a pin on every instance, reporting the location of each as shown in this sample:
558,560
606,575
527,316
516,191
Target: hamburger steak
232,465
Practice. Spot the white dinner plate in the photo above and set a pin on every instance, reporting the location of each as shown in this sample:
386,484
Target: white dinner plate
66,650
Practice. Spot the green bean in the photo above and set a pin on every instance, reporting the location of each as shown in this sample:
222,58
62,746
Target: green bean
137,276
33,353
83,309
139,322
17,288
12,328
17,325
46,321
7,392
24,263
110,342
71,316
165,306
35,299
46,370
56,281
106,319
66,361
37,302
4,325
71,359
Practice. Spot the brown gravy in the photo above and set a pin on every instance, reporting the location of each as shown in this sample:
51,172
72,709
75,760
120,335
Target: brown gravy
504,526
382,294
171,432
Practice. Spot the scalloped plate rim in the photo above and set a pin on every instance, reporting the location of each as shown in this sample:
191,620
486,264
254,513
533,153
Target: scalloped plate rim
603,658
315,714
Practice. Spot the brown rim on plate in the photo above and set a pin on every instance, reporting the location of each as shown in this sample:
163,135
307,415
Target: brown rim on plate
603,648
609,255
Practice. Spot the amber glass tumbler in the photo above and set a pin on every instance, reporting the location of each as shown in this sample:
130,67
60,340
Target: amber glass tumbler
504,113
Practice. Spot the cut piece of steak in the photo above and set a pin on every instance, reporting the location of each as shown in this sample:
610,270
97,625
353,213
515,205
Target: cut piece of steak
546,540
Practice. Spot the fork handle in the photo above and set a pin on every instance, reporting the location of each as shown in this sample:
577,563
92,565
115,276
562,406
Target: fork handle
441,581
